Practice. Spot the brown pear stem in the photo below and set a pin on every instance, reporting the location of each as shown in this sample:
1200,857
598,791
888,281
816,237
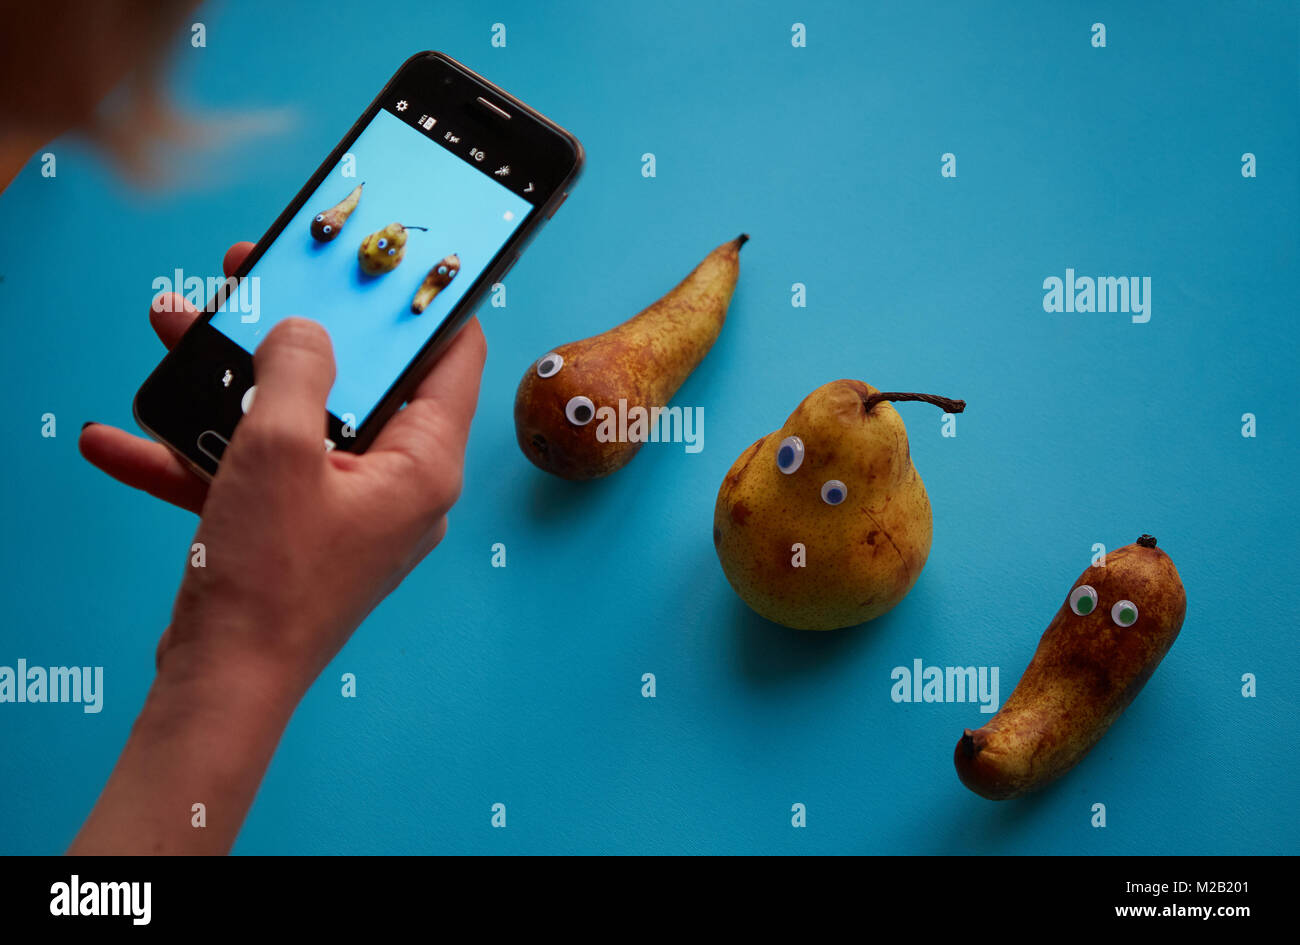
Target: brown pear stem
947,403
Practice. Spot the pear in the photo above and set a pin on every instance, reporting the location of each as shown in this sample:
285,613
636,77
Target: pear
328,224
1115,626
641,362
384,249
825,523
439,278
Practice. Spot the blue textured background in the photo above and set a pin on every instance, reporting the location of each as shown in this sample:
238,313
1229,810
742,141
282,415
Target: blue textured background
522,685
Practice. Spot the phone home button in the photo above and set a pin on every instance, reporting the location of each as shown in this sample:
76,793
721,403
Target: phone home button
212,444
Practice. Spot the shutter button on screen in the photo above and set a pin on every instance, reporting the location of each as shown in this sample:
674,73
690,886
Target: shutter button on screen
247,400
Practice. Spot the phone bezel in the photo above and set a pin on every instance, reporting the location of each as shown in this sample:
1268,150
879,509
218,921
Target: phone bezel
551,149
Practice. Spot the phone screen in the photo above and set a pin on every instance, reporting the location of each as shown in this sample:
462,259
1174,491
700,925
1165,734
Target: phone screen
451,219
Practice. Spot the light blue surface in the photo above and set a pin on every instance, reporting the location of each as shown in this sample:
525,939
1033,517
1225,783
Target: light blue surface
522,685
408,180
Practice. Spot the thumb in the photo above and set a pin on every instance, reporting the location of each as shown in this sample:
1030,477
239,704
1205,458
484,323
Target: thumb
293,370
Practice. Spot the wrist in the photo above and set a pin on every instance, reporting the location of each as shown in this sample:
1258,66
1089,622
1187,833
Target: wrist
220,687
247,646
205,736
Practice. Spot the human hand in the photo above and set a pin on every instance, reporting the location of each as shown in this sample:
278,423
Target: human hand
300,543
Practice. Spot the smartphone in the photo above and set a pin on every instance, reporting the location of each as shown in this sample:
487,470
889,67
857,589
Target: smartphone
418,212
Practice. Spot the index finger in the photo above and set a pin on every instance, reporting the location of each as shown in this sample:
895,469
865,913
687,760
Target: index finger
235,256
171,315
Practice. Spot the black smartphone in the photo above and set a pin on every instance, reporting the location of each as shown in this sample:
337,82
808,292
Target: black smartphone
418,212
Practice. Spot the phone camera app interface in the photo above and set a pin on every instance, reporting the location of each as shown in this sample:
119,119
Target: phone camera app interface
379,254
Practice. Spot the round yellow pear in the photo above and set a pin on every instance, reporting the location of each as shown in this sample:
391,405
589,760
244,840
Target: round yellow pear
825,523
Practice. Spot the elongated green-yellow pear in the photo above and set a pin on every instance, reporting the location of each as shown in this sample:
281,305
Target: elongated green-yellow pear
327,224
1115,626
437,279
564,394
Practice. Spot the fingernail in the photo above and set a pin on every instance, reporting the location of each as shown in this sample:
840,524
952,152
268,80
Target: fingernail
88,423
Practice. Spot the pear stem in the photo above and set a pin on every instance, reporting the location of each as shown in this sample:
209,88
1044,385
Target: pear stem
947,403
422,229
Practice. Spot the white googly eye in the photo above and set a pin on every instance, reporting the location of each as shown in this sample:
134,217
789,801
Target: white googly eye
1124,613
580,410
789,455
549,365
392,252
383,243
319,217
834,492
1083,600
327,228
442,270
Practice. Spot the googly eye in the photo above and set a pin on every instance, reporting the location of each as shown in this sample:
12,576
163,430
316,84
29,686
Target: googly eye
789,455
1124,613
383,243
319,217
549,365
834,492
392,252
442,270
327,228
1083,600
580,410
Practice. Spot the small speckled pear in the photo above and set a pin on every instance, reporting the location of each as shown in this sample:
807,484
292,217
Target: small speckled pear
383,250
567,395
439,278
327,225
1115,626
825,523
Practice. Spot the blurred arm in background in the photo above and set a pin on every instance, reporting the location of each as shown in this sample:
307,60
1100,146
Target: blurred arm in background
60,62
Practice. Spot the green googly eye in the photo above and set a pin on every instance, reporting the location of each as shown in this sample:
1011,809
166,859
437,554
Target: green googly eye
1124,613
1083,600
